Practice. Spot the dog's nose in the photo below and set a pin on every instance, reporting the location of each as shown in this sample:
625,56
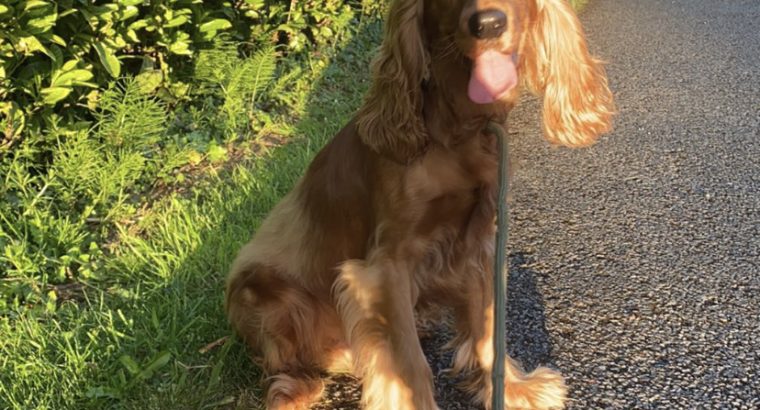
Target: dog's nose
487,24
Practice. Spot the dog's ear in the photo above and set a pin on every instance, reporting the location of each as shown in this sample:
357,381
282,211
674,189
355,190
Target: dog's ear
390,121
577,105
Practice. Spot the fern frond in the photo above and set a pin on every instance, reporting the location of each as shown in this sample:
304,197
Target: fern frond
261,66
130,120
245,82
213,66
117,178
76,166
237,82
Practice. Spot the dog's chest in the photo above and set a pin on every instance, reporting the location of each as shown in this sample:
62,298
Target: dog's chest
452,172
456,186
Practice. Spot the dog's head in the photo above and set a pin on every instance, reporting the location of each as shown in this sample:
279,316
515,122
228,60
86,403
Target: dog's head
502,43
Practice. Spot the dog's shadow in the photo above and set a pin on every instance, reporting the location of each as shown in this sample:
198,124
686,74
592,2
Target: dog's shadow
527,341
527,337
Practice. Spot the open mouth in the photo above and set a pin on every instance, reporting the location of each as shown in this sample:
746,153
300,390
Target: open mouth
493,75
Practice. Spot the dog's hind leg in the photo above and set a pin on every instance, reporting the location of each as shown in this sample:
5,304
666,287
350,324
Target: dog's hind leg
293,335
375,301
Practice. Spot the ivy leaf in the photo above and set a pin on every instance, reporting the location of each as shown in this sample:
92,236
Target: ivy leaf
51,95
41,24
128,12
84,84
177,21
69,65
31,44
132,36
67,78
58,40
180,47
214,25
33,4
108,59
138,24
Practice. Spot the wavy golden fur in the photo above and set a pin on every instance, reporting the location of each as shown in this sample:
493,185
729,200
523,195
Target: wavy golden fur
396,213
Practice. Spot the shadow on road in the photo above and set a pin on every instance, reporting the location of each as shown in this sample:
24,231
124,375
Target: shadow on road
527,338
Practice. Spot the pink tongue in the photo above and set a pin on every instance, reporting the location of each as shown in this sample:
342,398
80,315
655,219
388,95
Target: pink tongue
493,74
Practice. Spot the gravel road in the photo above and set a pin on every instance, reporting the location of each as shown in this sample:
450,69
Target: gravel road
635,264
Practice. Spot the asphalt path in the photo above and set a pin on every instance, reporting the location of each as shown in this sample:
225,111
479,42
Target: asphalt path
635,264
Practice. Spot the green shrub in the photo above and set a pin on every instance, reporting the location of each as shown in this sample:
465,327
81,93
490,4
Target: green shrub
100,104
54,219
56,57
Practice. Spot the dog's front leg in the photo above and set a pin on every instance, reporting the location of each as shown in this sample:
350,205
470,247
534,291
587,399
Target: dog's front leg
541,389
375,300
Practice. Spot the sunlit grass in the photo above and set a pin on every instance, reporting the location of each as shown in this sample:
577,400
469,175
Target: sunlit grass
138,341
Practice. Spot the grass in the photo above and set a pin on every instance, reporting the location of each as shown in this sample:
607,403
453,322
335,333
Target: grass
152,336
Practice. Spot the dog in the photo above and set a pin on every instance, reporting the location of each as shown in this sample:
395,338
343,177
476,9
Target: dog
396,213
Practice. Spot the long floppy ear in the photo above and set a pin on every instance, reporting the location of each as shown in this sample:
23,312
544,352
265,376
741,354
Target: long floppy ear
578,104
390,121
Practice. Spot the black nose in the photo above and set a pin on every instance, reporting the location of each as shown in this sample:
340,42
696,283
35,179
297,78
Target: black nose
487,23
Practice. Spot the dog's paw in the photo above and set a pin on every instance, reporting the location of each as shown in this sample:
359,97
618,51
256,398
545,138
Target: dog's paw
542,389
290,393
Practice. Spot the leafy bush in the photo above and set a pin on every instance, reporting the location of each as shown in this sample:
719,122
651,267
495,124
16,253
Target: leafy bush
56,57
54,220
102,103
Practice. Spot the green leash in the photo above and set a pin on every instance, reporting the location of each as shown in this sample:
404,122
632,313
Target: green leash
500,273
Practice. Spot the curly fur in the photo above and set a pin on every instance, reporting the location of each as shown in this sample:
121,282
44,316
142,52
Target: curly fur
395,215
578,105
390,122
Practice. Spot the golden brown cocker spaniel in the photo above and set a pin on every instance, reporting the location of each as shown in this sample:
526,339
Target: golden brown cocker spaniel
396,213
